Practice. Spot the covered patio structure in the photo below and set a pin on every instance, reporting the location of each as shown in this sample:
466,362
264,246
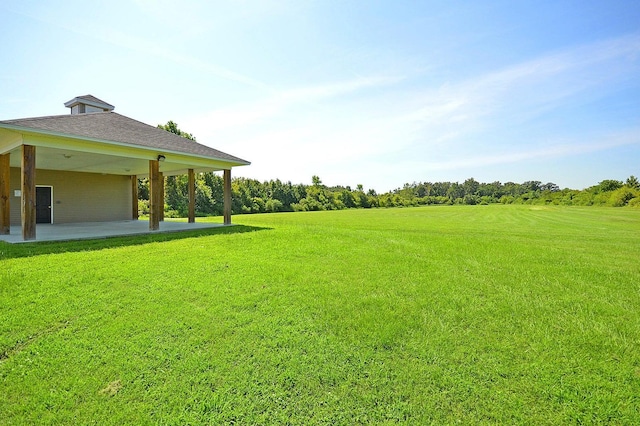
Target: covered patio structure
84,168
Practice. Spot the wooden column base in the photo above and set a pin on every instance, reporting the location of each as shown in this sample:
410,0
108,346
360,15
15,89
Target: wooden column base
192,196
154,195
134,197
28,184
227,197
5,185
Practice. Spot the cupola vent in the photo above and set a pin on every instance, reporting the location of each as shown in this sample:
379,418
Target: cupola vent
87,103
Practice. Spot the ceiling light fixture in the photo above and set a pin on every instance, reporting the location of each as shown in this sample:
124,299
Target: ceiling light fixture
161,157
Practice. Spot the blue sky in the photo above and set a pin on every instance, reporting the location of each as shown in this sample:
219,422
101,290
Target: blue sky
378,93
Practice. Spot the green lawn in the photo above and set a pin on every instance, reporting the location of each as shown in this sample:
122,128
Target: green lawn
479,314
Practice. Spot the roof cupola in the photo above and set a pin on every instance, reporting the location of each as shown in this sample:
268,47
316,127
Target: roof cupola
88,103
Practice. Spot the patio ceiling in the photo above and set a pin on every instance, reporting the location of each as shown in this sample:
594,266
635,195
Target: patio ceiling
88,162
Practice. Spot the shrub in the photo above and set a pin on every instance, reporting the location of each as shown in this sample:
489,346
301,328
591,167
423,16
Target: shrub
584,198
143,207
257,205
297,207
173,214
471,200
621,196
507,199
306,205
273,206
486,199
634,202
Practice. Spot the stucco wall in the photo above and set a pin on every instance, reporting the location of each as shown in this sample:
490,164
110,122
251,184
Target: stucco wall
79,197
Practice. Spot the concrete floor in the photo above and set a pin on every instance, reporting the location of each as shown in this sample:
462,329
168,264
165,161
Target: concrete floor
92,230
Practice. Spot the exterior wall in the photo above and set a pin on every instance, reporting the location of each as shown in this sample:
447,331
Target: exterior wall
79,197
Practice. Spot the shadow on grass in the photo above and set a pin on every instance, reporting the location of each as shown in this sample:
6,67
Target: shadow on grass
12,251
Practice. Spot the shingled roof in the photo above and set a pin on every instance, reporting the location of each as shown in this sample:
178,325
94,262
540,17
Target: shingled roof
113,127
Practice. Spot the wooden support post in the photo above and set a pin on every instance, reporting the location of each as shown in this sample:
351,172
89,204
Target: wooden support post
134,197
161,196
227,196
154,195
28,187
5,185
192,196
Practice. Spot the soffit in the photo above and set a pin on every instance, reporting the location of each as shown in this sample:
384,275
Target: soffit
88,162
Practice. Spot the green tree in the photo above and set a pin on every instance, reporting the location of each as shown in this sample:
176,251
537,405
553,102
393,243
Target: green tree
513,189
172,127
440,189
143,189
532,186
455,192
176,187
550,186
216,185
205,203
273,206
176,194
470,187
493,190
632,182
608,185
347,198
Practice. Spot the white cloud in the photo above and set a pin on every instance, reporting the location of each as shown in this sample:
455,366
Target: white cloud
383,129
555,149
144,43
539,84
279,103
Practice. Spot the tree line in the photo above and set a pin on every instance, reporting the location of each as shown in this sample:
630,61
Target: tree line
253,196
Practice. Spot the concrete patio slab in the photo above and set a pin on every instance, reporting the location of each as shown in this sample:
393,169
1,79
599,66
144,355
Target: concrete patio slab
94,230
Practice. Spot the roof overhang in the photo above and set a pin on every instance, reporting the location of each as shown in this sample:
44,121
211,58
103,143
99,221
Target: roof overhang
72,153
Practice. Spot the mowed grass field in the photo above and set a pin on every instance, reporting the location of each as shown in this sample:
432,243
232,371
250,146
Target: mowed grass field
479,314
